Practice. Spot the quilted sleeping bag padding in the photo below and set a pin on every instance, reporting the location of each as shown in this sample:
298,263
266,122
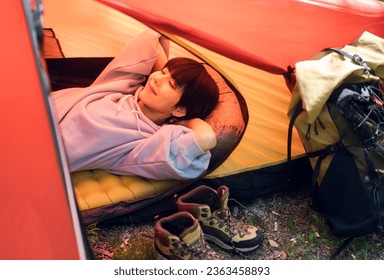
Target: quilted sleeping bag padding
98,188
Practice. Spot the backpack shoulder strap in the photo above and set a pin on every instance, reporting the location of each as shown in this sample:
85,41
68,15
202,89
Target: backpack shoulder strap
296,112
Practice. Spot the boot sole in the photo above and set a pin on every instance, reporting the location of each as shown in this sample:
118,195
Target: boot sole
228,247
159,256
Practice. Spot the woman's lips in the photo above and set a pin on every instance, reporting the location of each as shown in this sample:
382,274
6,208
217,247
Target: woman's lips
152,89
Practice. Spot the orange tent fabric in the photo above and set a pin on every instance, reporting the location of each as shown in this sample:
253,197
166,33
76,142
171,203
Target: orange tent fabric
269,35
32,178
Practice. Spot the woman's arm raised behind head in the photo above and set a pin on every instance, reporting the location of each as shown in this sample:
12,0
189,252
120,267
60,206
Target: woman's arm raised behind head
162,59
204,134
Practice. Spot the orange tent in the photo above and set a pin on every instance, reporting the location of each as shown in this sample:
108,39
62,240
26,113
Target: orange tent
33,179
268,35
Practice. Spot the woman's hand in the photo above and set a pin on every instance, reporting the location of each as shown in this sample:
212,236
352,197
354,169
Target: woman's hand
204,134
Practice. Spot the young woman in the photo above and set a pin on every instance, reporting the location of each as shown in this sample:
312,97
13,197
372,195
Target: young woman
142,116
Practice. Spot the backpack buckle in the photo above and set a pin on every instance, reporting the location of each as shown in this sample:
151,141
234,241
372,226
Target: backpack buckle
332,148
360,61
357,59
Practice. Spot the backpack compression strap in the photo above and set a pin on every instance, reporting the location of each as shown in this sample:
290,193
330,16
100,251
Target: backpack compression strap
355,59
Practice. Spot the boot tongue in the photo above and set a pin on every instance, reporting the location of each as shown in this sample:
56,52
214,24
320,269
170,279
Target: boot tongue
192,234
223,194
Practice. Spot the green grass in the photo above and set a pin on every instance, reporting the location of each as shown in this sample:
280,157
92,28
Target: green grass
300,232
139,248
362,248
137,245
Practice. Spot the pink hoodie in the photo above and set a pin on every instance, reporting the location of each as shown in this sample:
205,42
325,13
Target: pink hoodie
103,127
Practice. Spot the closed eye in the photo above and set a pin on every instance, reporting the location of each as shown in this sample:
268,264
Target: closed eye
171,81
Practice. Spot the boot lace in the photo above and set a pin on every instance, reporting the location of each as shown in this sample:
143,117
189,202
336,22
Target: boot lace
200,250
233,226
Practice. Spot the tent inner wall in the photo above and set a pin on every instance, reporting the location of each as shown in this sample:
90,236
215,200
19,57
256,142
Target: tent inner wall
256,166
90,29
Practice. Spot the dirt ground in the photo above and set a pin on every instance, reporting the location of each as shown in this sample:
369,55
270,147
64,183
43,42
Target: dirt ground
292,230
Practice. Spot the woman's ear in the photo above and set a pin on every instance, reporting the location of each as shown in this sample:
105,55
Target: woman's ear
179,111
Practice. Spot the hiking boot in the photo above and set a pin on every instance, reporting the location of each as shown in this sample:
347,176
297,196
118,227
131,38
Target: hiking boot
179,237
210,207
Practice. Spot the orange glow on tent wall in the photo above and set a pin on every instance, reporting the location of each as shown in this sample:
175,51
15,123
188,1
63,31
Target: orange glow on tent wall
31,178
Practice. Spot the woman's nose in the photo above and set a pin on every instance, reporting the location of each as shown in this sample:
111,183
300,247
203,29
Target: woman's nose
158,79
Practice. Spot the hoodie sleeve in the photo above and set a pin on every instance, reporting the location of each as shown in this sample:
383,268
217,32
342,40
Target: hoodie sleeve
135,61
170,153
124,73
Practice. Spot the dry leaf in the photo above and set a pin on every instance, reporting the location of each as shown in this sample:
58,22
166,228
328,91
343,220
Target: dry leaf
283,255
275,213
276,227
273,243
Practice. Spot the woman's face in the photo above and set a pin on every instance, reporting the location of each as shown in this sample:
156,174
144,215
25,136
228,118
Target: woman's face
160,93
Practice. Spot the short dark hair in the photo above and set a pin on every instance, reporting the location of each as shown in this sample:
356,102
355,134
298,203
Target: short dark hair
200,91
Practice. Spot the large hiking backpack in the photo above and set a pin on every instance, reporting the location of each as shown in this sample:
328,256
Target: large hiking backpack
337,109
